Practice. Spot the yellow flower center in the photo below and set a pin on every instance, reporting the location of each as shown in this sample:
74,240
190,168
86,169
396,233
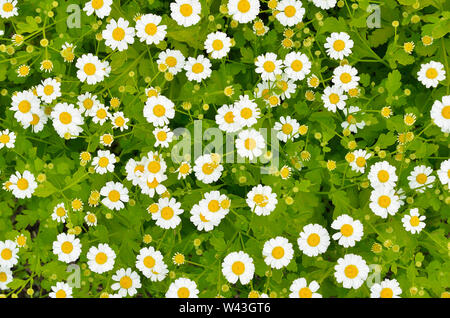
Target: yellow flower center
250,143
101,258
161,135
351,271
287,128
114,196
8,7
297,65
149,262
290,11
66,247
414,221
6,254
103,162
347,230
101,113
383,176
338,45
88,103
384,201
260,200
107,139
159,110
421,178
65,118
3,277
246,113
184,168
208,168
154,167
217,45
167,213
197,68
269,66
21,240
313,239
183,292
126,282
360,162
243,6
60,294
22,184
4,139
151,29
278,252
48,90
225,204
386,293
446,112
24,70
60,212
119,121
305,292
238,268
345,78
35,120
213,206
186,9
229,117
24,106
431,73
171,61
97,4
118,34
89,69
334,98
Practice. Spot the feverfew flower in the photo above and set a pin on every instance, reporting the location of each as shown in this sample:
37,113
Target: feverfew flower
413,222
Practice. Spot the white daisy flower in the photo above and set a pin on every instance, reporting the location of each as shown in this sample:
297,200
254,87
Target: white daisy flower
87,103
334,98
149,30
261,200
345,77
119,121
61,290
297,65
182,288
101,258
151,264
184,170
207,168
152,186
135,171
421,178
100,114
163,137
22,185
226,119
413,222
351,123
360,162
49,90
243,11
104,162
217,44
430,74
154,167
90,219
351,270
250,144
186,12
40,118
300,289
173,59
338,45
91,69
8,253
238,266
313,240
158,110
7,139
102,8
350,231
325,4
287,87
6,277
199,220
287,128
440,113
268,66
384,201
67,247
167,216
59,213
246,111
214,206
278,252
8,8
127,282
443,172
23,105
67,120
115,195
290,13
382,174
197,69
388,288
118,34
